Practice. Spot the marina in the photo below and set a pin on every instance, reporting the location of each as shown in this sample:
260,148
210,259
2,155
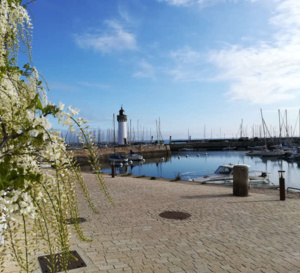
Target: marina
186,164
144,151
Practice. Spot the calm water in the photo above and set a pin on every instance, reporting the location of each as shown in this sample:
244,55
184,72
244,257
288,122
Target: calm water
208,162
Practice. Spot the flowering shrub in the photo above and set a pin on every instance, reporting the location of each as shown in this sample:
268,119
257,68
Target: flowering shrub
34,204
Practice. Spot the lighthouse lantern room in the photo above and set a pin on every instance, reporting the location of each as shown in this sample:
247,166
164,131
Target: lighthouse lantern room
122,127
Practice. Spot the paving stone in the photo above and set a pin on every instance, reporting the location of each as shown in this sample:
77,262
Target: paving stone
225,233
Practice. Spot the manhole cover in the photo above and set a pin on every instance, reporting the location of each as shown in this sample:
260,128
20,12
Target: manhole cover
72,221
176,215
75,262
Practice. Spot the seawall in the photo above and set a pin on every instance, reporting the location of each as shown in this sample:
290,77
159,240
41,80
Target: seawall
219,144
104,153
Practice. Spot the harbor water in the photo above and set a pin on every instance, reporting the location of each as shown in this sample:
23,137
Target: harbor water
189,164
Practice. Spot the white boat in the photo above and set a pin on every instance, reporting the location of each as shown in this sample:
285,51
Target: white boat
134,156
229,148
254,153
256,150
275,153
264,152
118,159
224,175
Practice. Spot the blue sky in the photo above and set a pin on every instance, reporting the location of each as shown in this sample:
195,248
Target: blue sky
191,63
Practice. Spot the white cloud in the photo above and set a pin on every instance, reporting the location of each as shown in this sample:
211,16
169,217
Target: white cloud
188,65
186,55
178,2
270,71
261,75
123,12
116,39
287,21
146,70
200,3
265,73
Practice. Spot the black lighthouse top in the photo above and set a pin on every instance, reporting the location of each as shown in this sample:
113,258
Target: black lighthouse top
121,117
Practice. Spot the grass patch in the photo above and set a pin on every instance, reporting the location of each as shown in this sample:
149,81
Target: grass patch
141,176
152,178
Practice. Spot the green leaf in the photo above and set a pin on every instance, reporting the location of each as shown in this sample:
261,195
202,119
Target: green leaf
39,104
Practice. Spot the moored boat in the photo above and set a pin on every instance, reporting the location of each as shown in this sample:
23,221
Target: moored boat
224,175
229,148
118,158
256,150
186,149
134,156
273,153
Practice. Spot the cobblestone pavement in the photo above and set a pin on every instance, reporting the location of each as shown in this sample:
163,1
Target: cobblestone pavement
257,233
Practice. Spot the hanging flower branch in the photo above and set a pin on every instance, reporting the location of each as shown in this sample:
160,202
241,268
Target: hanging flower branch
33,202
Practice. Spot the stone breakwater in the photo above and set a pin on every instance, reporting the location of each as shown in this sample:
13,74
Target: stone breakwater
104,153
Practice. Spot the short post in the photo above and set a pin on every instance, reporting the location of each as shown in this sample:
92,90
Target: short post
240,180
281,185
112,169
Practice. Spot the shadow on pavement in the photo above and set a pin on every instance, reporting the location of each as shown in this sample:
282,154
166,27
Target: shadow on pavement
206,196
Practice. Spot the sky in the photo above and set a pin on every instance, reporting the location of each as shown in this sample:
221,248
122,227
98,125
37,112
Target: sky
201,67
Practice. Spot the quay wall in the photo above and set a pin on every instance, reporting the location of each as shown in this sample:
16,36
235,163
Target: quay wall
215,146
145,150
221,144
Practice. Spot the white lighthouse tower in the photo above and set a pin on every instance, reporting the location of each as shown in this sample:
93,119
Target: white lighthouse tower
122,128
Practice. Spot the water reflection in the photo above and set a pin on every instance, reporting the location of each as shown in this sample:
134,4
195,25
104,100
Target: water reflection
207,162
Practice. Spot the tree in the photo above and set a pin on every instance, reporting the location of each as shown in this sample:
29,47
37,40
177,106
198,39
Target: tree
33,202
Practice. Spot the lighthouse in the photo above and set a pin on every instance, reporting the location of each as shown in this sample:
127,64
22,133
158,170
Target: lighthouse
122,127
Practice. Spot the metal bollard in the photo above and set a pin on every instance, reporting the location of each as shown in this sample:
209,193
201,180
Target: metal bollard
112,170
281,185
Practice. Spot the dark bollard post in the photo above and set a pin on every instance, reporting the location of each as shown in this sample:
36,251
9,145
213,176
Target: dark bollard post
112,169
281,185
240,180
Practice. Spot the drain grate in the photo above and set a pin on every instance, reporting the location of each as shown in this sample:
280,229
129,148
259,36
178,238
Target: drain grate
75,262
176,215
72,221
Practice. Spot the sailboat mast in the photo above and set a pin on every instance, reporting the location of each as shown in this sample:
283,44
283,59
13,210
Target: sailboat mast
241,129
160,135
156,130
114,129
137,130
286,124
279,123
130,132
263,124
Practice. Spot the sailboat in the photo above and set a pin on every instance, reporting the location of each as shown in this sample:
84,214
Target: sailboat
134,156
277,151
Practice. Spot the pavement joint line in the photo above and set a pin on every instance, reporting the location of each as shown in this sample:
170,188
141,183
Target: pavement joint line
228,234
